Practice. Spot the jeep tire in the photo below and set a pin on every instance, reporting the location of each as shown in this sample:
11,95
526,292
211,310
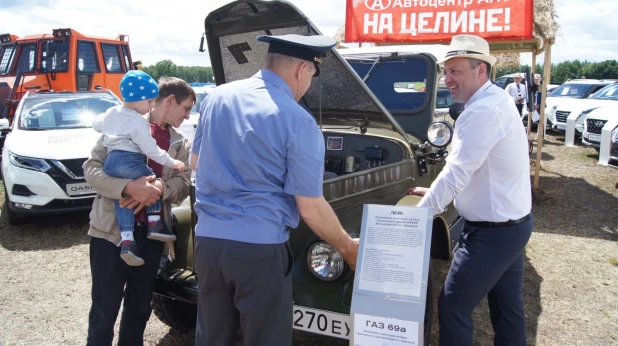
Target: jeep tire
180,316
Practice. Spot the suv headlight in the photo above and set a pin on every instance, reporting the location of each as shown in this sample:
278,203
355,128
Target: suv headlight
29,163
324,261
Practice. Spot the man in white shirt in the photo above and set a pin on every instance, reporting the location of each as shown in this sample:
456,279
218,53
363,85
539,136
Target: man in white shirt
487,173
518,92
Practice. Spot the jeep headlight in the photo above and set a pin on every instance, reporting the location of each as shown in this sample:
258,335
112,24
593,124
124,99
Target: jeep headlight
324,261
440,134
29,163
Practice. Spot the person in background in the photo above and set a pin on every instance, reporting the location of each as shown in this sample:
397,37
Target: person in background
112,279
487,173
518,92
538,97
127,137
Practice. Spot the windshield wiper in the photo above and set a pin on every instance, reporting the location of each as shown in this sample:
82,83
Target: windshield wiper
372,69
37,129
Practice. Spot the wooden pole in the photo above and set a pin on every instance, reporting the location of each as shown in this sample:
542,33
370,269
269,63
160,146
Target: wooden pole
541,127
532,71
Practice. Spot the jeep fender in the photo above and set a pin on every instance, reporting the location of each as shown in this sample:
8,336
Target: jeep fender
440,236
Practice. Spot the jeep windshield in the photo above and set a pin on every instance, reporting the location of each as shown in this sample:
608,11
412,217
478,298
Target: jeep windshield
63,111
578,91
610,92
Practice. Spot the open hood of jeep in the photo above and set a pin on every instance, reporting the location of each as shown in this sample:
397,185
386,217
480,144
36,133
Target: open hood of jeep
337,97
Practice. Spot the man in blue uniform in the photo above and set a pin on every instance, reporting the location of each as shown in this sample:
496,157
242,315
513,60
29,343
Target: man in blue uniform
261,163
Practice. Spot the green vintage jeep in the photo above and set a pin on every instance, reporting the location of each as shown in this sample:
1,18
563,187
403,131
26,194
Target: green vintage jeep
374,152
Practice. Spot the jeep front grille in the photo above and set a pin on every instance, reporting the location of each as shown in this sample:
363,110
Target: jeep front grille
595,126
561,116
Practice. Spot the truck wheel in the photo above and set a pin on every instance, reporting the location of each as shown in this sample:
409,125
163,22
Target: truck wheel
429,306
180,316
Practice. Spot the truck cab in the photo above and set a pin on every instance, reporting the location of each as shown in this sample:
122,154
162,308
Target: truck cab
64,60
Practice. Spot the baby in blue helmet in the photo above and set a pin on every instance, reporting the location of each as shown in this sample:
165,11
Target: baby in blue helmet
129,143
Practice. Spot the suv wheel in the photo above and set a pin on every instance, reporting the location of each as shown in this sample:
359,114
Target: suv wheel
11,216
180,316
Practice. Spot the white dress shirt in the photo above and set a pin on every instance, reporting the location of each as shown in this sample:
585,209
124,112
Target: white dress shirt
487,170
516,90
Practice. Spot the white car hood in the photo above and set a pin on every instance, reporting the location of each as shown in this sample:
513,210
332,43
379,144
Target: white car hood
603,113
53,144
580,105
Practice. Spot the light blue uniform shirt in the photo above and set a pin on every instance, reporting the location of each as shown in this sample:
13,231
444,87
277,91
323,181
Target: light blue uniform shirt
257,148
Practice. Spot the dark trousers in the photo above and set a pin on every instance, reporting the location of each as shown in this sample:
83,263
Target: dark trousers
110,274
520,107
128,165
243,285
488,263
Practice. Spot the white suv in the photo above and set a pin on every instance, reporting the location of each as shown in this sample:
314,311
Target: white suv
50,139
597,117
574,96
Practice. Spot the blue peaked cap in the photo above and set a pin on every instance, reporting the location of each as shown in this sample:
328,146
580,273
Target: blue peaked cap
311,48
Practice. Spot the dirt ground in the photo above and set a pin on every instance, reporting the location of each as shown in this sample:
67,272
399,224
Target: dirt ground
571,277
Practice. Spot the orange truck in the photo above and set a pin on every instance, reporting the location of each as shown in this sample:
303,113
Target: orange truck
64,60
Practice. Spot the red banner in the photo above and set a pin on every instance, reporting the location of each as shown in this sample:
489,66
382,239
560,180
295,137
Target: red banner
437,20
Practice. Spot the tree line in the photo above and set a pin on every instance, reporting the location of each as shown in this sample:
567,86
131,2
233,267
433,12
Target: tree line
191,74
575,69
560,72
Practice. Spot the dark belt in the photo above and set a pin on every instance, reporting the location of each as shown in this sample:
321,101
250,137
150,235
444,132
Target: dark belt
498,224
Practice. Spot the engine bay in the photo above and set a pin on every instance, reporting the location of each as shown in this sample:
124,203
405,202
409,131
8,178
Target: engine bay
350,153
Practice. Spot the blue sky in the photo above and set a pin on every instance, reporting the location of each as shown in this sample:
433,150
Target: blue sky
171,30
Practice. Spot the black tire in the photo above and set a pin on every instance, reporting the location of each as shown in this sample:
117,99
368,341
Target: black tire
180,316
429,306
11,216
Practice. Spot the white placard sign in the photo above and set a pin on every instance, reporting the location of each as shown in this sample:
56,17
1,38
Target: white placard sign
390,284
393,254
380,331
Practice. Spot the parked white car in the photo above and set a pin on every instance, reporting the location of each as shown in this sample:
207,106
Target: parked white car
594,124
50,140
569,94
580,108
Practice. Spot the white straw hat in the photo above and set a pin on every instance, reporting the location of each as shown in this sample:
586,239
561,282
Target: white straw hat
469,46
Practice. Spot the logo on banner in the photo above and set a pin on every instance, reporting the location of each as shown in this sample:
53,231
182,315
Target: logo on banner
377,5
